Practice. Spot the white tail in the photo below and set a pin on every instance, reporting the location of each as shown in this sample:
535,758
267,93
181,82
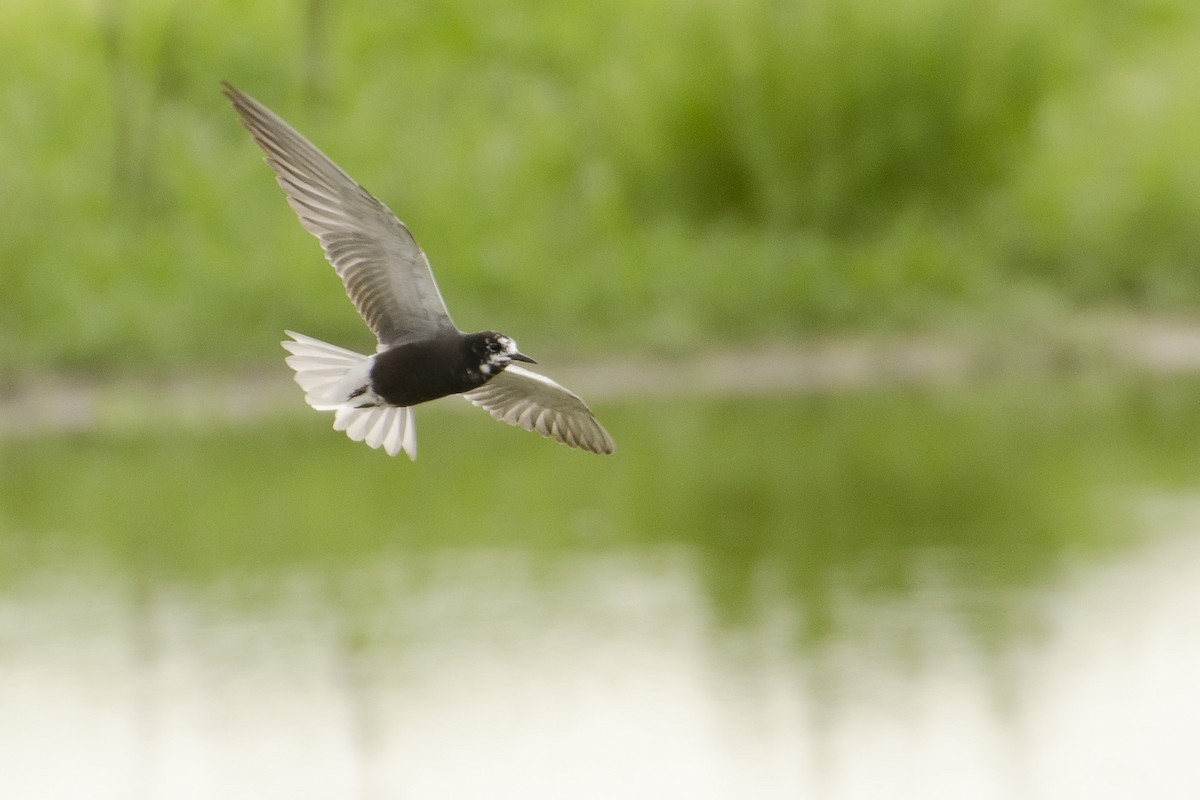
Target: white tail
336,379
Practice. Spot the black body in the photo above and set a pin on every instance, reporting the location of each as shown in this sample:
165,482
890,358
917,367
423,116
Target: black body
425,370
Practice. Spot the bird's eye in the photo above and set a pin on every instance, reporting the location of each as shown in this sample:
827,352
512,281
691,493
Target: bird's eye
493,347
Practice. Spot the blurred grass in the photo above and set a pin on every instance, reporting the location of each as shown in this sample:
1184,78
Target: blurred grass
641,175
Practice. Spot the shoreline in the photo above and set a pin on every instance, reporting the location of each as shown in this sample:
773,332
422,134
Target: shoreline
55,404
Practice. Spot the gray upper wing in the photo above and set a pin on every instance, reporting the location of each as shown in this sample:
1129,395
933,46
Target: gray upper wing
384,269
536,403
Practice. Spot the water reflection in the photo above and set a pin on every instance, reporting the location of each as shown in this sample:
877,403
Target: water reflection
491,676
910,594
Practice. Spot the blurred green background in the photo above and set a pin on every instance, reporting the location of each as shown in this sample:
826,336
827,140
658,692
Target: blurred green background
890,307
644,175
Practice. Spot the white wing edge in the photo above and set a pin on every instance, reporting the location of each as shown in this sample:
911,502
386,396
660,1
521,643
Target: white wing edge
551,410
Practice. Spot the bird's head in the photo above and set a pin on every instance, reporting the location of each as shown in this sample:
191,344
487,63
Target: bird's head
496,351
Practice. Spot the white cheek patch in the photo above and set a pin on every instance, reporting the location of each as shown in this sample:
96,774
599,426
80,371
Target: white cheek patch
495,364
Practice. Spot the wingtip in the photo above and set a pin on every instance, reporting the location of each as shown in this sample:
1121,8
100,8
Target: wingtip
605,447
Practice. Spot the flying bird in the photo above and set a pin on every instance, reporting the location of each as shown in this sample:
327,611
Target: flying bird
421,355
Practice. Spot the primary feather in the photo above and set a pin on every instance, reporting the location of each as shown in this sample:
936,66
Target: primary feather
532,401
384,270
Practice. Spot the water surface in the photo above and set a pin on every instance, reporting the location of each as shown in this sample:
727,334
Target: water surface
941,592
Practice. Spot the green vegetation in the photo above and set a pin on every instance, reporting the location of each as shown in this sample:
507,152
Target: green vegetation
641,173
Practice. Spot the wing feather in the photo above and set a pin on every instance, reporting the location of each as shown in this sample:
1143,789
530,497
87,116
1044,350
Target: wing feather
383,268
531,401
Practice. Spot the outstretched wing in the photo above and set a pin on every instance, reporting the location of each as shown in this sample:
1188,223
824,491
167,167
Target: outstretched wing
536,403
384,269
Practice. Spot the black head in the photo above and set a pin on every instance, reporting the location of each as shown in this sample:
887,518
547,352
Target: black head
494,351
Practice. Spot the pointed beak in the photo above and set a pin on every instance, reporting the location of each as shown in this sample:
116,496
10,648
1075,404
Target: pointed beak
519,356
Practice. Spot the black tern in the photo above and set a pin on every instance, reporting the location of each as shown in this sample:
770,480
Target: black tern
421,353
